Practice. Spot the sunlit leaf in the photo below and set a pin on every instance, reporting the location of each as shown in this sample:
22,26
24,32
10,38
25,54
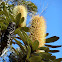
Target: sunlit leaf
35,44
22,19
24,37
35,59
28,52
26,29
46,49
27,38
17,31
18,18
11,16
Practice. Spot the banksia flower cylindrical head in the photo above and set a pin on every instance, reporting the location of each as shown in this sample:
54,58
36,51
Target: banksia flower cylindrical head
20,9
38,30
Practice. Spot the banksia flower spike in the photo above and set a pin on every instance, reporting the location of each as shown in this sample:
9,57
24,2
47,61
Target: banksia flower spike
20,9
38,30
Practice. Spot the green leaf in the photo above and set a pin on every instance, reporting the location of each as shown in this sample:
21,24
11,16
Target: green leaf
46,49
26,29
35,59
35,44
14,50
11,17
2,26
28,52
17,31
18,18
22,19
20,45
12,42
24,37
3,3
53,46
1,12
52,39
18,38
46,56
7,21
6,12
53,51
1,20
0,32
58,60
11,5
53,57
27,39
30,6
47,34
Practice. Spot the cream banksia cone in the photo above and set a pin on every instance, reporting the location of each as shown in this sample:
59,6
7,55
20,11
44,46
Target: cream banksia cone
38,30
20,9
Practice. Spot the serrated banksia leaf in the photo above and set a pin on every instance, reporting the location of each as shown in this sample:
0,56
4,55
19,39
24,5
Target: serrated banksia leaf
20,9
38,30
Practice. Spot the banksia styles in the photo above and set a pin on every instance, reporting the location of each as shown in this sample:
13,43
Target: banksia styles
38,30
20,9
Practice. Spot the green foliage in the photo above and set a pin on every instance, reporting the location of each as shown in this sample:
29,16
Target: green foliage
35,59
35,45
19,43
17,19
31,6
53,46
52,39
26,29
58,60
5,16
47,34
30,48
2,26
28,52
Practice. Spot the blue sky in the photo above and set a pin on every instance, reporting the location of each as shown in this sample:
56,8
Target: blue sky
53,17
